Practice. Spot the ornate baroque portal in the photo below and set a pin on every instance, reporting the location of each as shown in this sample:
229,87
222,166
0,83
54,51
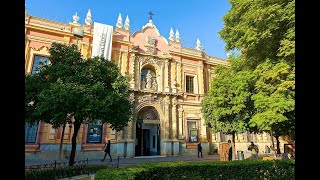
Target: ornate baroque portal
147,132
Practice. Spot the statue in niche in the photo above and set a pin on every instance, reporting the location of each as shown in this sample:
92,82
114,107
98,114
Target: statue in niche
154,84
143,84
149,80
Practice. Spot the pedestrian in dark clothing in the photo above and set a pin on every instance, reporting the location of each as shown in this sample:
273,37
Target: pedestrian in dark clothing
200,150
107,150
230,150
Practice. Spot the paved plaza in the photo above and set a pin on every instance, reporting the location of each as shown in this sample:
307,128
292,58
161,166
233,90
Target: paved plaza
125,162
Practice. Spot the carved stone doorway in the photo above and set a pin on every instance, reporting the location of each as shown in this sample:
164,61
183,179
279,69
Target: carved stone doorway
148,132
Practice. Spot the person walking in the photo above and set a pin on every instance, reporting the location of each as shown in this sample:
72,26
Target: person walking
107,151
200,150
230,145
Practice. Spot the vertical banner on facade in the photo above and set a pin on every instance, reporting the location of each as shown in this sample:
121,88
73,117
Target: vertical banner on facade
102,40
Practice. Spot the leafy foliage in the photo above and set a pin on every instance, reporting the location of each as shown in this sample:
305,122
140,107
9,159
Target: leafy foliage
227,106
275,94
85,90
278,169
264,71
261,30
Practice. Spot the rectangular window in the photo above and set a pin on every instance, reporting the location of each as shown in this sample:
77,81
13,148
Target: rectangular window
113,134
30,133
52,133
94,132
193,131
39,61
189,84
67,131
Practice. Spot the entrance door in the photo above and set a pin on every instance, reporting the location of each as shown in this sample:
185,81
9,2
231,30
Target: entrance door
146,142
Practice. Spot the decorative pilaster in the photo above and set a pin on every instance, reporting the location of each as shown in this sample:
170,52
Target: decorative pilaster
174,118
129,132
179,74
180,129
132,68
124,61
174,77
166,118
166,74
201,82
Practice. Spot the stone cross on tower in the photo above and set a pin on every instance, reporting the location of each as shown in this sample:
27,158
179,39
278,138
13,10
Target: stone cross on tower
150,15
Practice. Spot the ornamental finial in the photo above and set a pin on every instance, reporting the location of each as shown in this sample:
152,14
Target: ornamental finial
119,21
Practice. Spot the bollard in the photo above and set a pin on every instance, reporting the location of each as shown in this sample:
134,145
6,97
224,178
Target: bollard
240,155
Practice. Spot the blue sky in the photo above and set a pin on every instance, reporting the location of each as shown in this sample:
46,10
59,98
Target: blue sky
193,18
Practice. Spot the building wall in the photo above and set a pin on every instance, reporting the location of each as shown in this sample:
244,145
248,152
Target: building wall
132,53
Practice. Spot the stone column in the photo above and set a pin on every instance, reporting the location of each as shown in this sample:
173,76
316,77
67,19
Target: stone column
179,80
132,69
201,84
166,76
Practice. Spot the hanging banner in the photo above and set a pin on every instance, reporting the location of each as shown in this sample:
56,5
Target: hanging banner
102,40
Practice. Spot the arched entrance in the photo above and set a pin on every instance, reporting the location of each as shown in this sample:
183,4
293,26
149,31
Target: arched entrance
148,132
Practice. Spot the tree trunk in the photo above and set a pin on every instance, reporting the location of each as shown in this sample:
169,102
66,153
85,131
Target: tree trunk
278,145
234,146
77,125
61,141
272,142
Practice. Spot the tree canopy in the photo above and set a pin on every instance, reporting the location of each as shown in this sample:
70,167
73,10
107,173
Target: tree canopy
86,89
257,91
261,30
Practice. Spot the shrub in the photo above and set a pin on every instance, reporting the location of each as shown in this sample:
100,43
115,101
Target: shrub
246,169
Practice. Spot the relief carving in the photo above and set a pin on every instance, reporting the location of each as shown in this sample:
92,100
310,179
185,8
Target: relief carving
151,41
153,98
151,46
148,60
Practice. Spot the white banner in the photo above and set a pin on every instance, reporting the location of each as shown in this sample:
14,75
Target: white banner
102,40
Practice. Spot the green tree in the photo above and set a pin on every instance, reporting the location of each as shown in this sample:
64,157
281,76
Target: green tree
257,91
261,30
227,107
86,89
274,99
